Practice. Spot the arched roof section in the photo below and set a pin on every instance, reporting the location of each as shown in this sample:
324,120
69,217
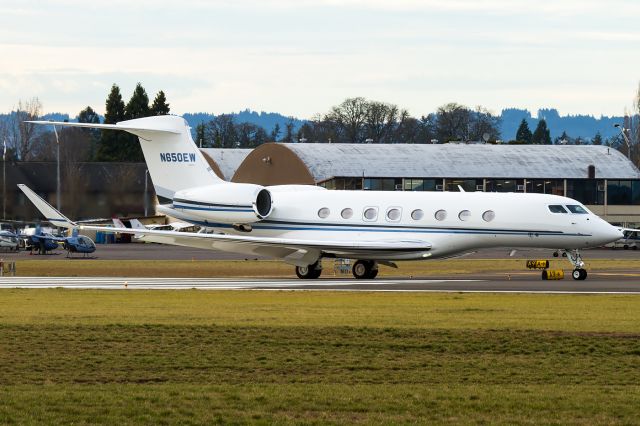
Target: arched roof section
324,161
225,161
273,164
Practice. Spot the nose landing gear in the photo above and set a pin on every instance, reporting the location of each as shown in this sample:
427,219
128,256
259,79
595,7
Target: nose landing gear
579,273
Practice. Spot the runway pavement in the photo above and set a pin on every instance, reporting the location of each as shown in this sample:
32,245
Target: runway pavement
597,285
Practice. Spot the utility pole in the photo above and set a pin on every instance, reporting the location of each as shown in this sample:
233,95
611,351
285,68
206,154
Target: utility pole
4,181
58,168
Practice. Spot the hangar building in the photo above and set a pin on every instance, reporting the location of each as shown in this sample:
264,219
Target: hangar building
598,176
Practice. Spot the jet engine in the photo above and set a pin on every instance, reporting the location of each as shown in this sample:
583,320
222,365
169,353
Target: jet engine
230,203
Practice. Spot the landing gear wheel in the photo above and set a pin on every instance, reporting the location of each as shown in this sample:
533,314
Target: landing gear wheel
309,272
365,269
579,274
555,254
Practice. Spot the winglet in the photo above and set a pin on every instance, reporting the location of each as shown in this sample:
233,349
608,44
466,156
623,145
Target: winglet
52,215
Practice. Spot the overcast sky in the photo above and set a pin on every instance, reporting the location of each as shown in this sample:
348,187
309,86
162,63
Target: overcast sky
300,57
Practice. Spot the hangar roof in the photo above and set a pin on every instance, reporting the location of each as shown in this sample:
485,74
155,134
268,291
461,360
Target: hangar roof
227,159
325,161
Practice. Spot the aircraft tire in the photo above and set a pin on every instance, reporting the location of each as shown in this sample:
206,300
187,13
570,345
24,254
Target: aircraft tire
310,272
365,270
579,274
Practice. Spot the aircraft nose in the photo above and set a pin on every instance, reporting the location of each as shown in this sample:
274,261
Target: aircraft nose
613,233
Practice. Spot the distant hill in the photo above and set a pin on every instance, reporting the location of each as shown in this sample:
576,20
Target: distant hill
266,120
584,126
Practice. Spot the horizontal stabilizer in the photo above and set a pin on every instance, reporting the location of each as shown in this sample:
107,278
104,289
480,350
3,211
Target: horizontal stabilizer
124,125
51,214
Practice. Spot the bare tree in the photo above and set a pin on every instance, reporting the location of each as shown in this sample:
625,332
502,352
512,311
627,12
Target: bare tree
381,121
23,135
453,122
351,116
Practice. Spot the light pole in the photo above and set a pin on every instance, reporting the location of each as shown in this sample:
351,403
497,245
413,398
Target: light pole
57,168
4,181
626,139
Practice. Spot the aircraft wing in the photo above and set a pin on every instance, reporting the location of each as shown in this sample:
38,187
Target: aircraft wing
295,251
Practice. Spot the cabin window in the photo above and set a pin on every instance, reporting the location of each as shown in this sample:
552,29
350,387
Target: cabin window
370,213
417,214
489,215
393,214
346,213
323,213
557,209
464,215
577,209
441,215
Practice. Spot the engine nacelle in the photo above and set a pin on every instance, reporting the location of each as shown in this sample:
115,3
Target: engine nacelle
231,203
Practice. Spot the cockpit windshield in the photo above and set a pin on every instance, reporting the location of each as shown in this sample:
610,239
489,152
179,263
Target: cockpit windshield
577,209
557,209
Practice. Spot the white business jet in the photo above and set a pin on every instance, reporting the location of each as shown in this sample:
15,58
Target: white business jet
302,224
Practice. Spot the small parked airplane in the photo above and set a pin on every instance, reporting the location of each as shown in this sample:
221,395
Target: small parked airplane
301,224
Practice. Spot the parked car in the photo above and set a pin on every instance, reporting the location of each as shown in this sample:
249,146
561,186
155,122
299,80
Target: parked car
9,241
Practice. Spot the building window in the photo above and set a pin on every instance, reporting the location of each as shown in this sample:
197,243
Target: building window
623,192
323,213
469,185
412,184
417,214
370,213
464,215
546,186
393,214
346,213
587,191
488,216
383,184
505,185
441,215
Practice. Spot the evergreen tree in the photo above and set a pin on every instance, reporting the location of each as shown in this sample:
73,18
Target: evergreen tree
111,141
541,135
275,133
562,139
137,107
597,139
160,105
200,136
88,115
524,135
288,133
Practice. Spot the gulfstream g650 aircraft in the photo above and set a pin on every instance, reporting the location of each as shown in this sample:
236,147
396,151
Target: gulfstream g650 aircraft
302,224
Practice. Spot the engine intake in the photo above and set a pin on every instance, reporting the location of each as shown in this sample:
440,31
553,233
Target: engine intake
228,203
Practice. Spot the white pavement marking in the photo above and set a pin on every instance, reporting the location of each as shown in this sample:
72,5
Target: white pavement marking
270,284
119,283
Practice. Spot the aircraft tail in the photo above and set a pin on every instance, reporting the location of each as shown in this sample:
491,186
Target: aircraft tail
136,224
51,214
117,223
173,159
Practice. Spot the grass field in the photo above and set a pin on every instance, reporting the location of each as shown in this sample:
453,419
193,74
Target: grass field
194,357
274,268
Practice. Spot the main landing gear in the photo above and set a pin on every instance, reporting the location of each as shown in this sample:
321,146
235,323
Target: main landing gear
365,269
579,273
309,272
